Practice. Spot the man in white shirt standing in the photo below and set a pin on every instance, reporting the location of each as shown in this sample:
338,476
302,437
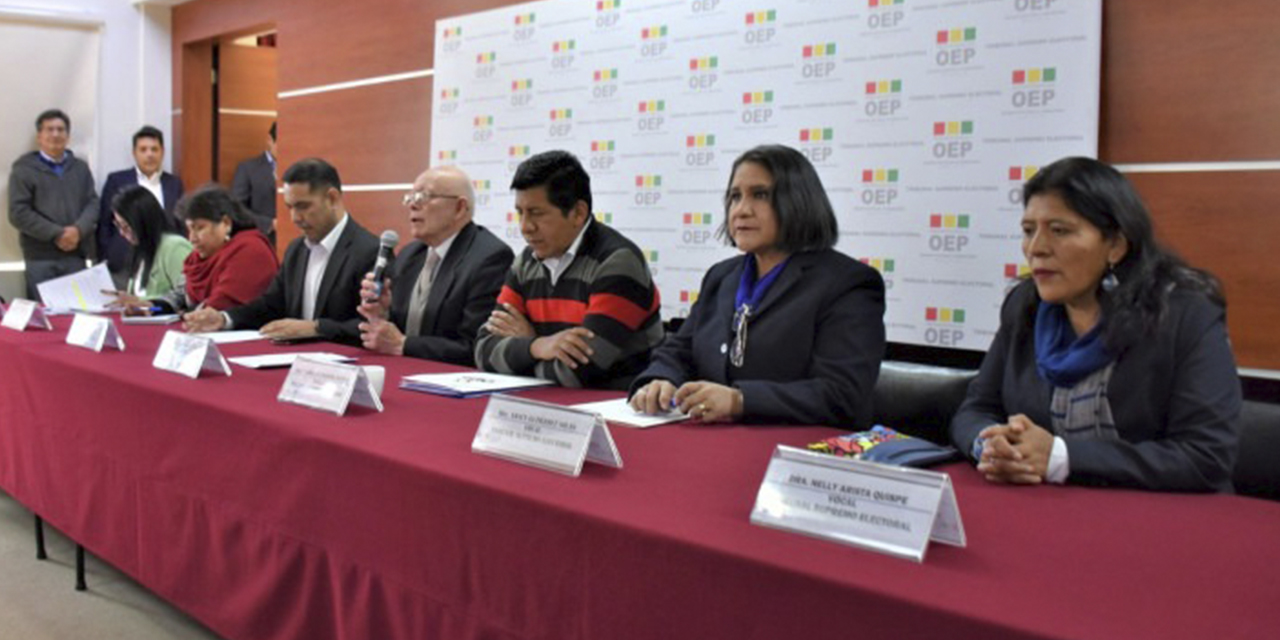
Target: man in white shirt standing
148,172
317,290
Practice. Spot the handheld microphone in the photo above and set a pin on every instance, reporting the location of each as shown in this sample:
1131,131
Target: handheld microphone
386,247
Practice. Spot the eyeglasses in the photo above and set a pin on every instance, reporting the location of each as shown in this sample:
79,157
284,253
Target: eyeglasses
419,198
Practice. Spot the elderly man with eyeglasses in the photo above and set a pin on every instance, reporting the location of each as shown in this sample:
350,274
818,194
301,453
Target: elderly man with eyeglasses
443,284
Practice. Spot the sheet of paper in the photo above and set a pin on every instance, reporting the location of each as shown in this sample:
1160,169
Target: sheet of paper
166,318
467,384
620,412
228,337
275,360
81,291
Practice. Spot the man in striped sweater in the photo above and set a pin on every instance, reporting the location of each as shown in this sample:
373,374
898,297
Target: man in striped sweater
579,306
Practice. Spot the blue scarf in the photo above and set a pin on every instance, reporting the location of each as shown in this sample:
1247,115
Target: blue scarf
1061,358
747,301
750,290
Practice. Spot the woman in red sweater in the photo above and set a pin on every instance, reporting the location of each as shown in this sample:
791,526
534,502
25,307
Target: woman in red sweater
232,262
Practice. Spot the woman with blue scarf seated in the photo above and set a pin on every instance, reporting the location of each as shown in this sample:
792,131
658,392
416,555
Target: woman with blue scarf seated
1112,365
791,331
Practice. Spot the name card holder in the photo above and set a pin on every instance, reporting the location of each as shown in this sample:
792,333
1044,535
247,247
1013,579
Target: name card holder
883,508
544,435
328,386
23,314
188,355
94,332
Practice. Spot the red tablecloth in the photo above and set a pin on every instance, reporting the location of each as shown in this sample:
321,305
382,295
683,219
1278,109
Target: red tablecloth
267,520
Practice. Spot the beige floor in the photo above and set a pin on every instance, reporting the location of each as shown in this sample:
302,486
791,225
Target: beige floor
38,600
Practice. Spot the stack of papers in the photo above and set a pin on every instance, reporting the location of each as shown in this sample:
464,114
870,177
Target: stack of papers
80,291
620,412
280,360
468,385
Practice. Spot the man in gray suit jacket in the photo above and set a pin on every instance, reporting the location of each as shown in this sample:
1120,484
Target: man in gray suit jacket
444,283
254,186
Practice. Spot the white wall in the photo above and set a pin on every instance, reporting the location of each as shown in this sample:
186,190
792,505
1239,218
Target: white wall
134,88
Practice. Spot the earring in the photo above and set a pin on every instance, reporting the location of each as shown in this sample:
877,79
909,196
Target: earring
1110,281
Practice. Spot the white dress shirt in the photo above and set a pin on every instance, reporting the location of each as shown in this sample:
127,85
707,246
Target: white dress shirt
152,184
557,265
317,259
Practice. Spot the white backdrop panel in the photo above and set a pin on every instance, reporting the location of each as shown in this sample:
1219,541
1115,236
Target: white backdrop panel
922,118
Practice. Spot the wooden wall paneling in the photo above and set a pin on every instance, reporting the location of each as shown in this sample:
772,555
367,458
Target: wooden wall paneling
368,39
1226,223
173,148
1187,80
374,135
207,19
239,138
247,81
248,78
376,211
196,166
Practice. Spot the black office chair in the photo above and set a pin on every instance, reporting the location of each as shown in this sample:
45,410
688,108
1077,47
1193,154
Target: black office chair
1257,471
919,399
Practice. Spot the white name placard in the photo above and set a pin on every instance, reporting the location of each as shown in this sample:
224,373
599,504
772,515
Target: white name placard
94,332
884,508
328,386
22,314
543,435
188,355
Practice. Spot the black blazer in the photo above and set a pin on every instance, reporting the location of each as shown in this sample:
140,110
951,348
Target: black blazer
339,295
813,347
1175,398
254,186
463,294
111,246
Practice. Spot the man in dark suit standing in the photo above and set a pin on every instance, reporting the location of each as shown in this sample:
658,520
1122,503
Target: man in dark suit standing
147,172
317,290
254,186
445,282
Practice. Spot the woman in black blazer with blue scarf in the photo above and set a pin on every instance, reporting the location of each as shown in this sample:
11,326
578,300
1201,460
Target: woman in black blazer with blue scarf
1112,364
791,331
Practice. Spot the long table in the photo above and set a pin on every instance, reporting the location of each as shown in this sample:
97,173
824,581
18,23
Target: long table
267,520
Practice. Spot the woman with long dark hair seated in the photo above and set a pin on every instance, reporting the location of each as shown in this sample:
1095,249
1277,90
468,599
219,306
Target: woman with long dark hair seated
232,262
791,331
158,254
1112,364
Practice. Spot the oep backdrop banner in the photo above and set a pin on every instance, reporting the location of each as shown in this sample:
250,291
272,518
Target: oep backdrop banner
923,119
